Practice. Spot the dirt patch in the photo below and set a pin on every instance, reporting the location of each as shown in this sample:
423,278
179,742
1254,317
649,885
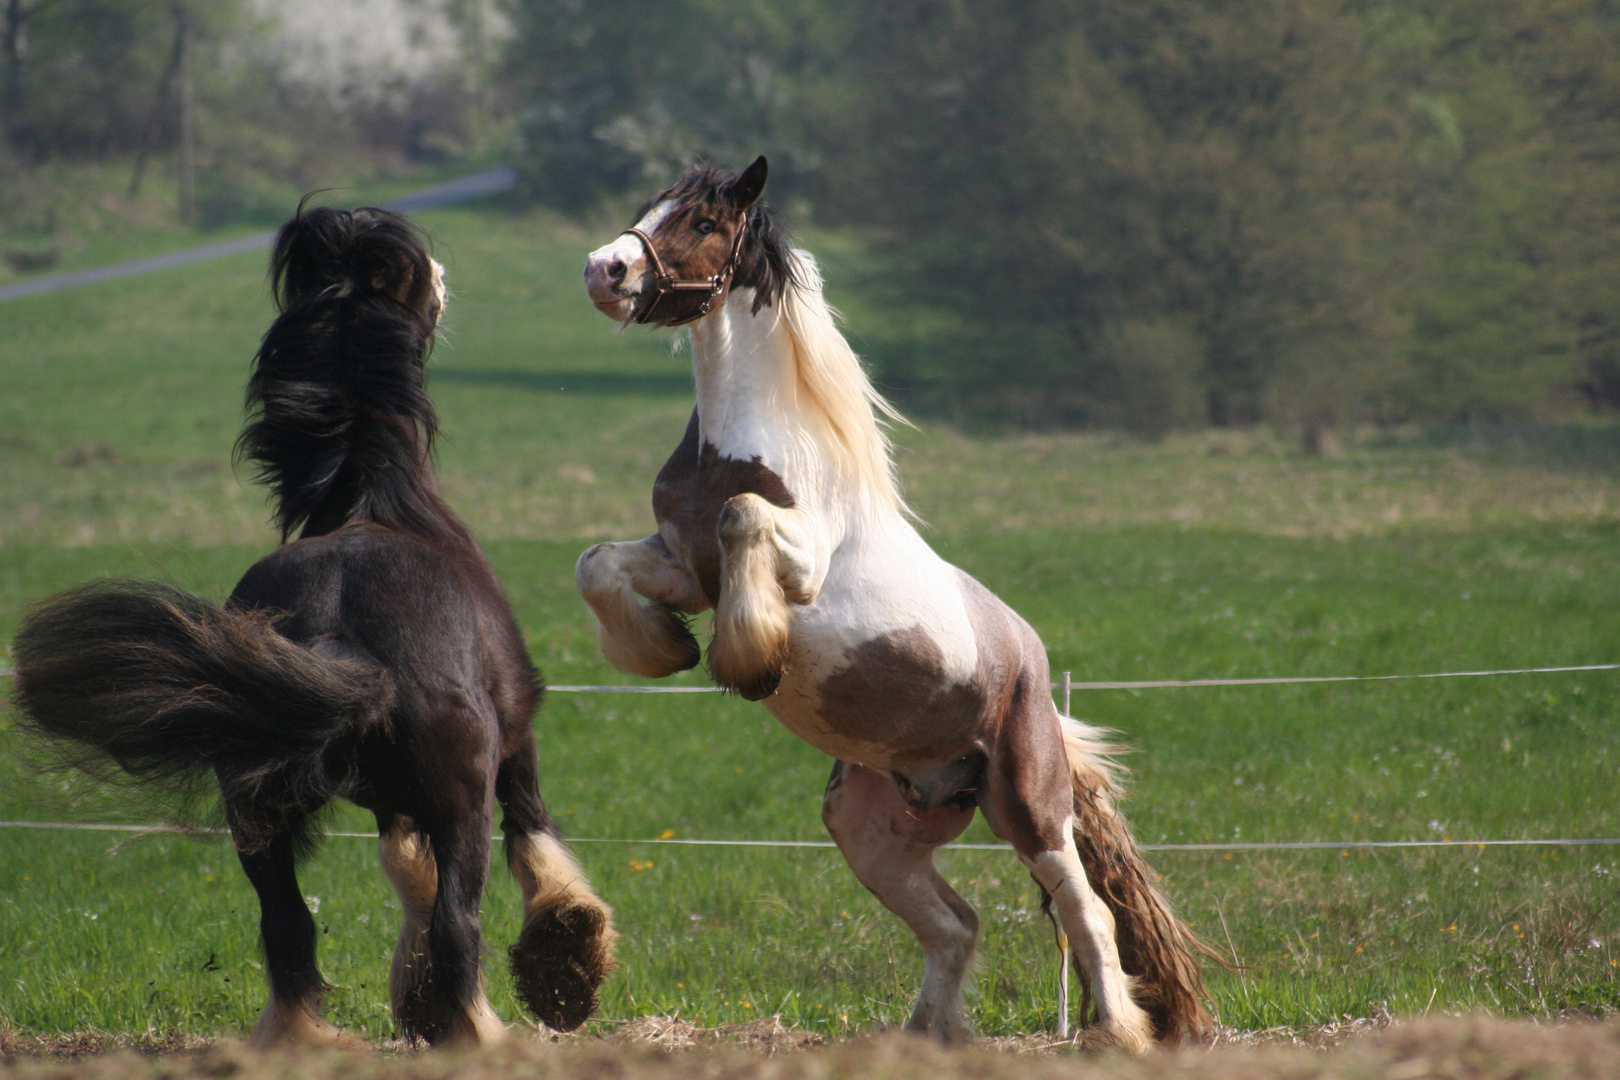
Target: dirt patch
668,1048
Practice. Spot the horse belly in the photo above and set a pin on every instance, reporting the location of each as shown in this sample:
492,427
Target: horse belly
883,669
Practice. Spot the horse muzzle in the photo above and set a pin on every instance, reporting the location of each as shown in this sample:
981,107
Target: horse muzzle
615,280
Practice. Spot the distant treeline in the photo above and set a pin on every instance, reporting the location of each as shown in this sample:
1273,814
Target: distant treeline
1135,213
259,94
1149,213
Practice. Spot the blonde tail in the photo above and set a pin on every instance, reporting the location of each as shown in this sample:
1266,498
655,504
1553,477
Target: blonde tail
1155,947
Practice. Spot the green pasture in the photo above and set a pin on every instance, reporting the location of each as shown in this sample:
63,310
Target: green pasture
1223,554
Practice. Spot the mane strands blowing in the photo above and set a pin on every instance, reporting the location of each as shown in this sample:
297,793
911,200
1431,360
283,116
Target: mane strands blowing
341,425
374,658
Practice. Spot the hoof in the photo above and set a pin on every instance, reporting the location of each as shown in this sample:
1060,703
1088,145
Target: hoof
681,640
761,688
559,961
1112,1036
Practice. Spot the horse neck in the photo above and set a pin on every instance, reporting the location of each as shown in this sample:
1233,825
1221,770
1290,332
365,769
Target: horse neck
748,400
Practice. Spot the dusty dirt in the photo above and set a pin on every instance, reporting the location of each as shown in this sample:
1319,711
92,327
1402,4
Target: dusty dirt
656,1048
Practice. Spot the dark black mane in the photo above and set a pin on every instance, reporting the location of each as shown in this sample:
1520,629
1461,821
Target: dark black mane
340,426
765,262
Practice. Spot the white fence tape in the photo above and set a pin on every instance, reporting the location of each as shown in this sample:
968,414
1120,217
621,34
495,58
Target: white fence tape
1066,684
1150,684
1300,845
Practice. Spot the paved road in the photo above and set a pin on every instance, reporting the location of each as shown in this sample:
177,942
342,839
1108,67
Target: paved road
476,186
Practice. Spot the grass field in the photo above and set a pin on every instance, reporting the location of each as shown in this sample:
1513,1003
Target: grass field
1209,555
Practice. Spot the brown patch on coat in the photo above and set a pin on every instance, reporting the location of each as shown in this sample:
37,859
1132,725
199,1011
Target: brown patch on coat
893,690
692,489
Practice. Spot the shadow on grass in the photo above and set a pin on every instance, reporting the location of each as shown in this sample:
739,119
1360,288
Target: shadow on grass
651,384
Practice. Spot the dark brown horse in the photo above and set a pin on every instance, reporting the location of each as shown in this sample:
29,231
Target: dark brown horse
780,512
374,659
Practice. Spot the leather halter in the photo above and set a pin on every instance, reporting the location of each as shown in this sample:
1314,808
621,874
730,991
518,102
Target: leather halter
664,283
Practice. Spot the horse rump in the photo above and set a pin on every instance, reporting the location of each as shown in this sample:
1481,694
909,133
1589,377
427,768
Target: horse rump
1155,947
173,691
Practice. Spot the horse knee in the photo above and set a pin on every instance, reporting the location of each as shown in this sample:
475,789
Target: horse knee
640,637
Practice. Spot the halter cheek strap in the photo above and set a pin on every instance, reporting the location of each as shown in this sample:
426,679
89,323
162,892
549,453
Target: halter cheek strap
664,283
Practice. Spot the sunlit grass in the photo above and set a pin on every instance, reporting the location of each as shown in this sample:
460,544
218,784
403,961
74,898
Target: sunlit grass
1224,554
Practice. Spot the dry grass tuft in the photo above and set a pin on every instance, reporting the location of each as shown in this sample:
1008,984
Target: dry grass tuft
666,1048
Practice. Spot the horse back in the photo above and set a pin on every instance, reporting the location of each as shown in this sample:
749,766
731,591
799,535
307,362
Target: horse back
429,612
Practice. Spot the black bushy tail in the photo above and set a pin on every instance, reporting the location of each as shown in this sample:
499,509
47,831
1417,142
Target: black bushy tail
176,692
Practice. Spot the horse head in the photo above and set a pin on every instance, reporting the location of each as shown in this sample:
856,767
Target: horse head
694,241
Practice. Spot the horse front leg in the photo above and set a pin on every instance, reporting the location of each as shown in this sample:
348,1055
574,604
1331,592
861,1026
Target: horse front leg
769,558
565,948
647,637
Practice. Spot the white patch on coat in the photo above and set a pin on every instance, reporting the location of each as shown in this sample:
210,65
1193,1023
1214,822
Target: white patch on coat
876,574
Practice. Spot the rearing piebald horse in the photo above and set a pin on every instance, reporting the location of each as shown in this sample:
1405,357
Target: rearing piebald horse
780,511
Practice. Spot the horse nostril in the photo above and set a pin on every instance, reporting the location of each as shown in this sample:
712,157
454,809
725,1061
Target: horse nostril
616,271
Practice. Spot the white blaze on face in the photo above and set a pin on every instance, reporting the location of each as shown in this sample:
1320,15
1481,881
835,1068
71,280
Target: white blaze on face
613,272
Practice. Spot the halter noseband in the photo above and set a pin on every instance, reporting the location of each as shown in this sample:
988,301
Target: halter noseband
664,283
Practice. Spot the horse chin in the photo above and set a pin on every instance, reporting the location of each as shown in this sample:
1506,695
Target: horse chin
620,309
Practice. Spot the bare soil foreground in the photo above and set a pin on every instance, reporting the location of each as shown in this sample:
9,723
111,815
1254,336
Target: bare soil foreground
1443,1049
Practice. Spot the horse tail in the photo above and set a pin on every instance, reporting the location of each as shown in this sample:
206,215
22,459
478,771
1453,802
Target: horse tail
1155,947
175,692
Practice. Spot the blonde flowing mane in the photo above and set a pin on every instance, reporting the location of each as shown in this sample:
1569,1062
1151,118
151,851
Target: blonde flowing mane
832,378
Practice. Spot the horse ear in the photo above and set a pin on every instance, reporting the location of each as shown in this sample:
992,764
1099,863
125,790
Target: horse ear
748,187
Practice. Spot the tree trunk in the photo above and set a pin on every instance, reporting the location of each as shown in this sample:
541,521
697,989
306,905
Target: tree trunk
154,126
11,41
188,204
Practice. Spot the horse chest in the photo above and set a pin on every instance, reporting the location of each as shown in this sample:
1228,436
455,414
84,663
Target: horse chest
692,489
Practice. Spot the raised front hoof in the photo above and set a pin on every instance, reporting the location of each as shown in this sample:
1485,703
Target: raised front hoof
683,649
751,681
559,961
660,644
760,689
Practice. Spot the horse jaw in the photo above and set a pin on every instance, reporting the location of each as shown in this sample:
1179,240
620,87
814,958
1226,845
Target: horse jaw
615,274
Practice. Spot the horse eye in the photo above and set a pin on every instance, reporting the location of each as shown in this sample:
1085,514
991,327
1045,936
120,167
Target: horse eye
705,226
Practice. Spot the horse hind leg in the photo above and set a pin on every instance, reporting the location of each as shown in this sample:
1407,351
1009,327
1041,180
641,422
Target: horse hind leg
407,859
1030,804
287,931
565,948
1092,934
890,847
